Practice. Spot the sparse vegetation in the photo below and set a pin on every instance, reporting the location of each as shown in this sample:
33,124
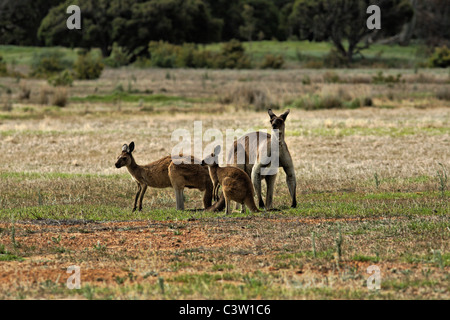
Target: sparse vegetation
88,67
347,217
440,58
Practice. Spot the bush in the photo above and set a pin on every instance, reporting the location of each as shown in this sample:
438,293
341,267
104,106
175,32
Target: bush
331,77
88,67
381,79
245,96
232,56
166,55
272,62
163,54
440,58
334,60
47,64
118,57
64,78
60,98
25,92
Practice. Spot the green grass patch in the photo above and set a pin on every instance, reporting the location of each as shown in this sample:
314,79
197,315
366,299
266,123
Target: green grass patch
366,131
9,257
135,98
58,175
364,258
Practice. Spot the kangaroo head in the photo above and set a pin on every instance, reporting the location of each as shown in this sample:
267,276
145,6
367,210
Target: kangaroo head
212,159
278,122
125,157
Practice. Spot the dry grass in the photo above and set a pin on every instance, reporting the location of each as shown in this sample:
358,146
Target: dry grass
59,163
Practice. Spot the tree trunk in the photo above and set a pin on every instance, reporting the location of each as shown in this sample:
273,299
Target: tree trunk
408,29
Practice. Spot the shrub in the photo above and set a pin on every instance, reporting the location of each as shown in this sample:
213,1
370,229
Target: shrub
314,64
440,58
25,92
331,77
379,78
332,100
367,102
163,54
87,67
44,94
60,98
245,96
166,55
232,56
118,57
64,78
48,64
306,80
334,60
272,62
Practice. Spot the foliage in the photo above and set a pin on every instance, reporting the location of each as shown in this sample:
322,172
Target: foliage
88,67
19,20
343,22
440,58
62,79
48,64
232,56
60,98
380,78
166,55
273,62
118,58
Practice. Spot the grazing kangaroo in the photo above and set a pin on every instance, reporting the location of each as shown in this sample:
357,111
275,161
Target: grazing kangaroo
163,173
250,146
236,184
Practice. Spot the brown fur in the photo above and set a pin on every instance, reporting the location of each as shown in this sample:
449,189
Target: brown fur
250,145
236,184
163,173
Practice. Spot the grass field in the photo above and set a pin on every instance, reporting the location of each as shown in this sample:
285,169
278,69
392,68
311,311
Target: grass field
371,187
295,53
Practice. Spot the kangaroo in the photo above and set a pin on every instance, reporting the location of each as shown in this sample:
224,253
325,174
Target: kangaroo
236,184
163,173
251,145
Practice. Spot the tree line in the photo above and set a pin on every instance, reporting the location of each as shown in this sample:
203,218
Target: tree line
132,24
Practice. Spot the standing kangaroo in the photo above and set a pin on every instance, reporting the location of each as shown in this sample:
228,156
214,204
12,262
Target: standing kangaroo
236,184
251,146
163,173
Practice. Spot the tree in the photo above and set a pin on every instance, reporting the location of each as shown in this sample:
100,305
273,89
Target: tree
266,16
343,22
248,29
20,19
131,24
175,21
433,22
230,14
95,26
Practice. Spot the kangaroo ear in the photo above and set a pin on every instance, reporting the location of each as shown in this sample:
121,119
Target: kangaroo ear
271,114
131,148
125,148
217,150
284,115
